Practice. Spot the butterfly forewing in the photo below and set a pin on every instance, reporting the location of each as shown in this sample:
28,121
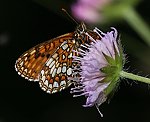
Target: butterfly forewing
30,64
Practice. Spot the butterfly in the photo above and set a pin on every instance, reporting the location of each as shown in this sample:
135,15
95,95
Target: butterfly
50,63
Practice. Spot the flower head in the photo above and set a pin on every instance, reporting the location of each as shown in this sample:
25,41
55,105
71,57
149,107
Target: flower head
99,68
101,11
86,13
88,10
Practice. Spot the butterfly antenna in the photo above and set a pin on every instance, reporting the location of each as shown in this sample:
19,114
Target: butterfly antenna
64,10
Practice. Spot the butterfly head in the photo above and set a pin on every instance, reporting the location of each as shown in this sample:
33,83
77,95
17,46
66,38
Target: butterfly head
82,35
81,28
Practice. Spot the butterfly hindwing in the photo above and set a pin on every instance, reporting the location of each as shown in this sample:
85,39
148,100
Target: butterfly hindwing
54,74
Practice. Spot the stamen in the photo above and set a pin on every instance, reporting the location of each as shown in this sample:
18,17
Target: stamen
87,45
115,32
76,57
82,50
76,91
83,46
96,29
99,110
83,54
85,93
97,33
76,61
78,87
90,37
89,105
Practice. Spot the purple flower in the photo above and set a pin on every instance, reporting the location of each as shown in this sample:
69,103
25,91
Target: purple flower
99,68
86,13
88,10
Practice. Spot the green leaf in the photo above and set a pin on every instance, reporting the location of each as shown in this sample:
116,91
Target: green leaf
107,79
109,59
112,86
109,70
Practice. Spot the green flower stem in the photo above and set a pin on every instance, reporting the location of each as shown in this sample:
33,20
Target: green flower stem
137,23
134,77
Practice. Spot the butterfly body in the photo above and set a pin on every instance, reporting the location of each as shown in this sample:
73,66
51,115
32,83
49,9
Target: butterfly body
50,63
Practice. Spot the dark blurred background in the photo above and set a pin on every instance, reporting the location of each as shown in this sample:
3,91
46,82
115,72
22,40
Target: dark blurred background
25,23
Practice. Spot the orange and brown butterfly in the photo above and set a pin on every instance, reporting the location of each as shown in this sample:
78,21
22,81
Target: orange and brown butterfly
50,63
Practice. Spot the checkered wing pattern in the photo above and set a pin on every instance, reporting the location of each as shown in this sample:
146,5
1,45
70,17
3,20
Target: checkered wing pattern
49,63
54,74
